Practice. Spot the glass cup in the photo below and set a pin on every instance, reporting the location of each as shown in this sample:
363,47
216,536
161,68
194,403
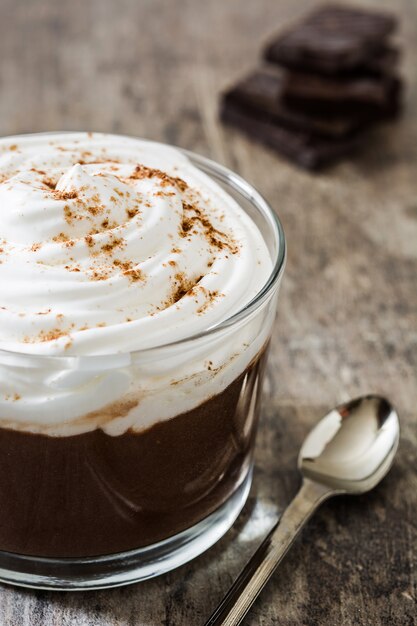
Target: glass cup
112,506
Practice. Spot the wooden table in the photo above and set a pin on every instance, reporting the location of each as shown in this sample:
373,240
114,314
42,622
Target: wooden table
347,314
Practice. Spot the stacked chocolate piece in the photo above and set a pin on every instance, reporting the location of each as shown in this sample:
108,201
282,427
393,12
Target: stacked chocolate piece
328,79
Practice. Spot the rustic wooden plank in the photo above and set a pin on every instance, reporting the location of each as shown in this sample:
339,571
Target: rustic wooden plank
347,316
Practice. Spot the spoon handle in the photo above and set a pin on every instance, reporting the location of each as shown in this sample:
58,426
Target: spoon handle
260,568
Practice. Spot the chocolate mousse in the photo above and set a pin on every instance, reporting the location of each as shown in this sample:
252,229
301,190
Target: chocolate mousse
94,494
128,393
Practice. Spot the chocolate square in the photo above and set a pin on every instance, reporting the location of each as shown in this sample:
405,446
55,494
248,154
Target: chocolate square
383,63
332,39
261,93
305,149
349,95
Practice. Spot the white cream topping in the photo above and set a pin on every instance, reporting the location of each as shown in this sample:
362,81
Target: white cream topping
110,245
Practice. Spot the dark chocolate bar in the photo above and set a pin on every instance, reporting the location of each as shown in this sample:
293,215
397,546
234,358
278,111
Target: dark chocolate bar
332,39
381,64
304,149
262,93
330,94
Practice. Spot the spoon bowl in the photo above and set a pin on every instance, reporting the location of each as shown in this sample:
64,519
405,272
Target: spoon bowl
352,447
349,451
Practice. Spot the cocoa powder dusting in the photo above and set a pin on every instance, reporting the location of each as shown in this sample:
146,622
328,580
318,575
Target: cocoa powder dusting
134,274
132,212
48,182
141,171
64,195
69,215
100,275
211,296
49,335
215,237
61,238
182,287
108,248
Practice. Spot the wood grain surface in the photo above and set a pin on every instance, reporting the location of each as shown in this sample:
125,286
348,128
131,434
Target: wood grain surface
347,314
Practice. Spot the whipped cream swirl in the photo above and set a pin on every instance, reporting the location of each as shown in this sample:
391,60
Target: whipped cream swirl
110,244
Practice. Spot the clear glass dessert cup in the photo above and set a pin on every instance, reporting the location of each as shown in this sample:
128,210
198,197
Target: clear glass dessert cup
102,508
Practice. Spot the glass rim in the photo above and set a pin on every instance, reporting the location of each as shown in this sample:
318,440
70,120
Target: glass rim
252,195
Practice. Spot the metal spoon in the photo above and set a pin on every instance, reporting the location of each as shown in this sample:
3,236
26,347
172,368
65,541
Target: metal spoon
348,452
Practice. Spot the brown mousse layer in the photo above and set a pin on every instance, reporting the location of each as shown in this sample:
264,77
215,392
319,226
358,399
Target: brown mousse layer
94,494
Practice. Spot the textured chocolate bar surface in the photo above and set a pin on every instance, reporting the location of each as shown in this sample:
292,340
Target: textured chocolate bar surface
306,150
261,93
383,63
332,39
331,94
